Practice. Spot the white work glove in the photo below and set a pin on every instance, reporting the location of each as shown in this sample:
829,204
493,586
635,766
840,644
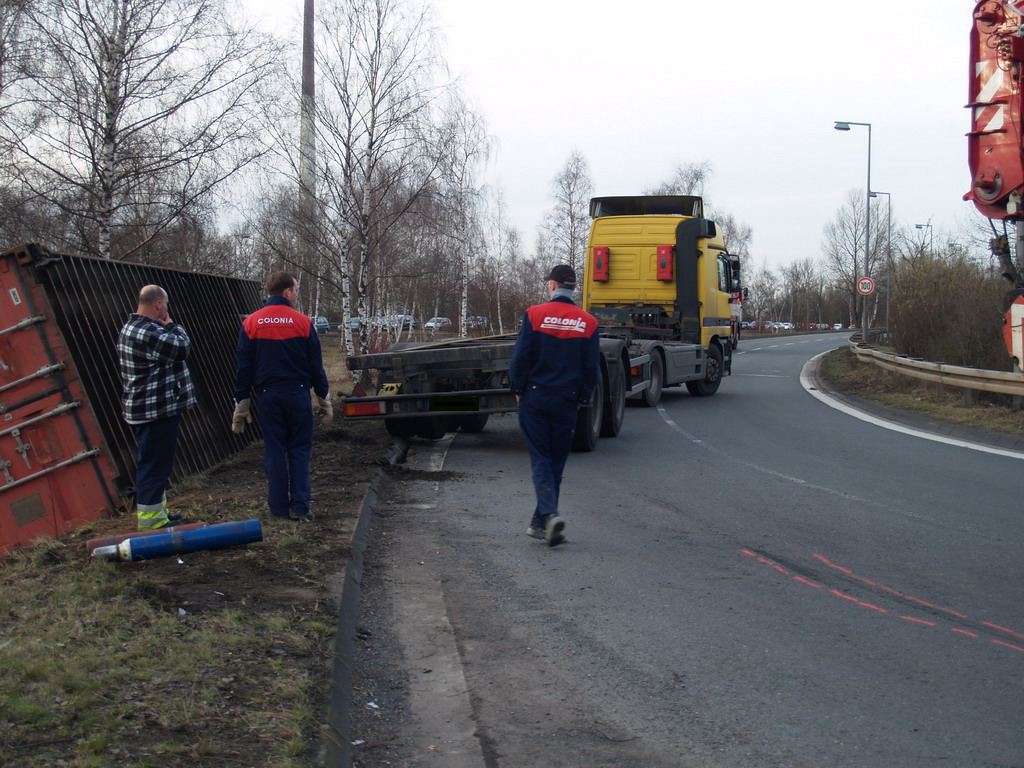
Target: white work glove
241,417
324,409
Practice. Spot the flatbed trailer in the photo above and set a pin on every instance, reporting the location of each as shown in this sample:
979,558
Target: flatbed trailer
432,388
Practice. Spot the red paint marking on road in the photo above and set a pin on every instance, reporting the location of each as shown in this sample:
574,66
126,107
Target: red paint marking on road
837,593
936,607
808,583
1003,629
873,607
1015,647
892,591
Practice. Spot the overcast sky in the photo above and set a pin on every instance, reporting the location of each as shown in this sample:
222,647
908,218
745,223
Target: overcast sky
750,86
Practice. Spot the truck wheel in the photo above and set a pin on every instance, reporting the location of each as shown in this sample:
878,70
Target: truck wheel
474,423
614,404
432,427
652,395
588,421
707,386
400,427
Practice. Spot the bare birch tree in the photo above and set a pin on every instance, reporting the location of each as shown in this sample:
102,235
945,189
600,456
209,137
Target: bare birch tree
463,146
140,109
378,69
686,179
568,223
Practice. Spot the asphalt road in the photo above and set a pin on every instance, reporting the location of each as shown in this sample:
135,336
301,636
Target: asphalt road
752,579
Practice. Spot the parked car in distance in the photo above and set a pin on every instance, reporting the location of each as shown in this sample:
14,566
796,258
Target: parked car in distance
321,324
837,327
401,323
477,323
438,324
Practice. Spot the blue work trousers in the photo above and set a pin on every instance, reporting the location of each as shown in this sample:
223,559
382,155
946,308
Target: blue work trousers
156,442
547,421
286,418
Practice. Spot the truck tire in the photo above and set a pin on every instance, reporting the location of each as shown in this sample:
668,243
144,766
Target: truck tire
588,421
473,423
652,395
707,386
615,403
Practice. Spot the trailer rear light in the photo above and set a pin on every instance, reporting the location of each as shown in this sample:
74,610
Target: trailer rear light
664,267
600,272
363,409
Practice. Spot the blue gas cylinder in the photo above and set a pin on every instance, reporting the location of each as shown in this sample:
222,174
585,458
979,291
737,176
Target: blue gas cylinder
176,542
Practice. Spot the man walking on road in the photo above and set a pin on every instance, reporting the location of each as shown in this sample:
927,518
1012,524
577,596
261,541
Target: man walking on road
279,358
553,372
151,353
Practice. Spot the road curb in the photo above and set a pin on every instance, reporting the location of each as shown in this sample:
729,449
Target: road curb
336,743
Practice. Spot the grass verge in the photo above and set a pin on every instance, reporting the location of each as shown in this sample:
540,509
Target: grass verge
208,658
844,372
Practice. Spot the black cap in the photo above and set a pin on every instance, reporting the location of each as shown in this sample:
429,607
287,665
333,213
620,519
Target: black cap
563,274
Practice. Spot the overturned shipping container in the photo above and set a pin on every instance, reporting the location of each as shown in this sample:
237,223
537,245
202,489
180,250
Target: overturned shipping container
66,455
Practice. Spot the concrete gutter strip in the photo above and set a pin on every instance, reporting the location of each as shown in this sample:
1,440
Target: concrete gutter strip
336,748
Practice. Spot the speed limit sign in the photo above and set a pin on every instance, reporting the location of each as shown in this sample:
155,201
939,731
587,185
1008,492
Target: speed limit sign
865,286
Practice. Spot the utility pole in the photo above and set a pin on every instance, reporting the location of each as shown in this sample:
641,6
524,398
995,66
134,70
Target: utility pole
307,154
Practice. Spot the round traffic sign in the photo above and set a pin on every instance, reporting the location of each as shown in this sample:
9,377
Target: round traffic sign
865,286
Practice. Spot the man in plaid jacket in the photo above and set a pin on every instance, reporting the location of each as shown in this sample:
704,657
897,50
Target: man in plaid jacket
152,350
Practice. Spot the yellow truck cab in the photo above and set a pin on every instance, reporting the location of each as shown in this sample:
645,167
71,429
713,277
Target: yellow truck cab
657,268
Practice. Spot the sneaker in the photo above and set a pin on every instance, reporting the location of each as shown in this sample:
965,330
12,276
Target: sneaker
303,516
172,520
535,532
554,528
267,513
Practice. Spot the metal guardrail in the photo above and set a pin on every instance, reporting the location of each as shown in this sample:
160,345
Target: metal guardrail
1004,382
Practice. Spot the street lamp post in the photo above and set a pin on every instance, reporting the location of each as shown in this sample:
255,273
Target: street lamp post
888,256
844,125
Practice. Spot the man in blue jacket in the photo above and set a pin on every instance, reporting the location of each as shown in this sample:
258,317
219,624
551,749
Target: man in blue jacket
279,359
553,372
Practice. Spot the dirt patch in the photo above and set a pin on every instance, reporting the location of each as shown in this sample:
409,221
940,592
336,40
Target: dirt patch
345,459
